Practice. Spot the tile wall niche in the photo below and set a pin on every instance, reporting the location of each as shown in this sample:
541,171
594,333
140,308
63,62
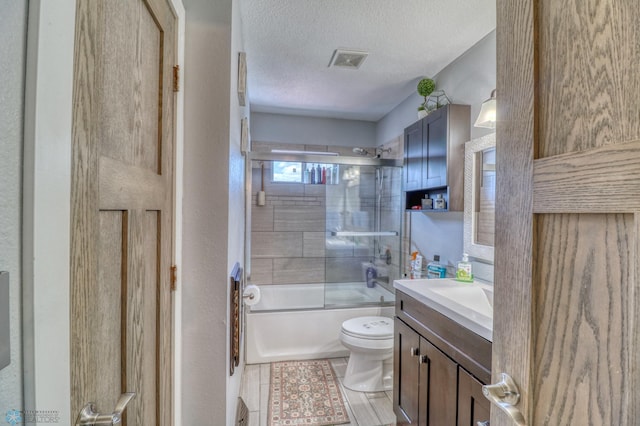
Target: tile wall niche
290,238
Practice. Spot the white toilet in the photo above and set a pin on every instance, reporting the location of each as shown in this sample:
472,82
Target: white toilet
370,340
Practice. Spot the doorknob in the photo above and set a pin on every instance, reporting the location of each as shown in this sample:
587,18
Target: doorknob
505,395
88,415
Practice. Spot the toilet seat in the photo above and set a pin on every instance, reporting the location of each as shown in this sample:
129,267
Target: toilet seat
370,328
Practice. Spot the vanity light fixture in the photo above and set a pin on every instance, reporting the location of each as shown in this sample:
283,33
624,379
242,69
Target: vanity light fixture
487,116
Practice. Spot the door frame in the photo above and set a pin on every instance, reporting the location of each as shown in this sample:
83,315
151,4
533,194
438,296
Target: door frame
46,227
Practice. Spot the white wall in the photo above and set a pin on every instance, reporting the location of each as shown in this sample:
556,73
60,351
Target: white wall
213,209
236,197
13,26
295,129
467,80
438,233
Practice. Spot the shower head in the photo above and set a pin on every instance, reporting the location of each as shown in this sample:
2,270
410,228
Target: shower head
377,152
380,151
360,151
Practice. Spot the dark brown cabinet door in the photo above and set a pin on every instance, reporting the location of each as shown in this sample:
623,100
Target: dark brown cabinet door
425,381
413,157
406,374
434,149
438,378
473,407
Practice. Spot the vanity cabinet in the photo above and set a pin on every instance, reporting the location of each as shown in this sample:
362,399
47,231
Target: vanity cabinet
434,156
473,407
439,368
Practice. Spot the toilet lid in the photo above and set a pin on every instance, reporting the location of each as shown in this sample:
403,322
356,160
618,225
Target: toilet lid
369,327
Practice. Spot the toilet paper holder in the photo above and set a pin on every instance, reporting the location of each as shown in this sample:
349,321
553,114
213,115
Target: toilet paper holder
251,295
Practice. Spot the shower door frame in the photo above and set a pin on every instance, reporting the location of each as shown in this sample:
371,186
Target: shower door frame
304,158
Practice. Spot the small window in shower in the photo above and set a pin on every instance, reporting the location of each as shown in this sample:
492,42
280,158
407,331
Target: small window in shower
287,171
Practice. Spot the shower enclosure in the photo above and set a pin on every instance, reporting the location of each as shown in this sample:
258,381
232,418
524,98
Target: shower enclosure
323,246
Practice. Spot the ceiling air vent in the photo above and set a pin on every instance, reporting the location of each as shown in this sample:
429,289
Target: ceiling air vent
348,58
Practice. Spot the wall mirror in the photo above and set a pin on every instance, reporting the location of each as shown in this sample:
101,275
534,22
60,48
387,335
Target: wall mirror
480,197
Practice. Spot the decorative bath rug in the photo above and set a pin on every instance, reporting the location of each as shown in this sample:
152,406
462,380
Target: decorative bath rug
305,393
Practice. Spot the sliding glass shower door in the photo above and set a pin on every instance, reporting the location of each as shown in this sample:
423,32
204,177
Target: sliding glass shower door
324,229
363,213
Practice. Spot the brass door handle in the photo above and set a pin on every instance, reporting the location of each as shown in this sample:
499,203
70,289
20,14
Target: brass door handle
89,417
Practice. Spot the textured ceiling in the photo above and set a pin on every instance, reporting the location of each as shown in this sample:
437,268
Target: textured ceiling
289,44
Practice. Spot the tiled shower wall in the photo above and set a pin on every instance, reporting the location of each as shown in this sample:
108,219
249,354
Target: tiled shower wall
290,242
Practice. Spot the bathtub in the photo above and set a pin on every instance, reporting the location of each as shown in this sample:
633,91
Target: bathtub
302,321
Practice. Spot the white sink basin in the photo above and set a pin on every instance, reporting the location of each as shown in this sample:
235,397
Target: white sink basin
468,304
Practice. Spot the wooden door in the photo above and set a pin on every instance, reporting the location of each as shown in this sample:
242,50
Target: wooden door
413,162
568,210
406,371
122,207
473,407
438,378
434,148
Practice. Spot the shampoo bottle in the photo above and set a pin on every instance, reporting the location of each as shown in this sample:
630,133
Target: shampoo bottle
435,269
464,272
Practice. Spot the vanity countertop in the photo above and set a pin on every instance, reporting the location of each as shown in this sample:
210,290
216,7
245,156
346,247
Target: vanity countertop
468,304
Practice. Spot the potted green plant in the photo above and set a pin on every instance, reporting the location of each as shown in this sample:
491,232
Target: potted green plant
426,86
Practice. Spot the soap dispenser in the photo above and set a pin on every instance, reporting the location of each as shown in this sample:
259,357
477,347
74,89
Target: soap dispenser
464,270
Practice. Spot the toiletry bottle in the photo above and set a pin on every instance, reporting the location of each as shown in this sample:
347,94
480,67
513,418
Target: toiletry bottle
318,174
334,174
439,203
307,176
464,270
372,274
412,264
313,174
416,267
435,269
324,175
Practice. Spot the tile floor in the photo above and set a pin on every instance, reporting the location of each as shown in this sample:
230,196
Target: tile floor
365,409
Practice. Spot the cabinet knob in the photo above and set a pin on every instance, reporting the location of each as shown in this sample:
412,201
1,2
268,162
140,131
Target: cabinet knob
423,360
414,351
483,423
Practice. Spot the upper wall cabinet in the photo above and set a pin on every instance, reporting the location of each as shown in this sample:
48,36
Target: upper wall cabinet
434,158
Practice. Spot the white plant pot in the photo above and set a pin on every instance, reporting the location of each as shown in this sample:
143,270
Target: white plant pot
422,113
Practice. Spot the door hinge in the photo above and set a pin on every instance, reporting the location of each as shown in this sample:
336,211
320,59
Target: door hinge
174,277
176,78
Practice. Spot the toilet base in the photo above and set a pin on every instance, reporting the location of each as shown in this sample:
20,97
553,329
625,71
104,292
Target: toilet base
368,374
